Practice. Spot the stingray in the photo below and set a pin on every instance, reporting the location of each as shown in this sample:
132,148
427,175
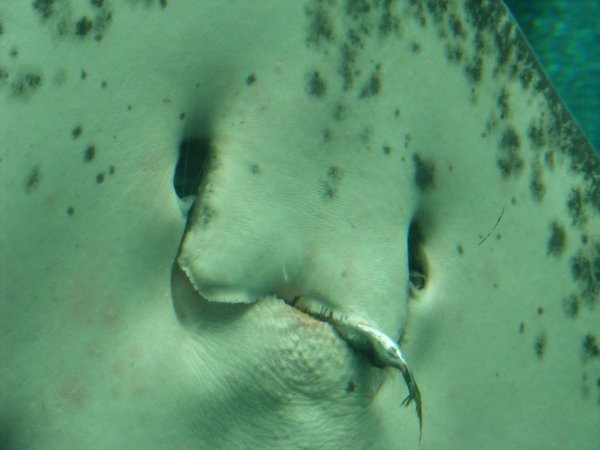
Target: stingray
227,224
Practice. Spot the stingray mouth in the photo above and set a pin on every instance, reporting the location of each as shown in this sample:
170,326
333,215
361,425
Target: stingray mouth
366,339
315,309
361,336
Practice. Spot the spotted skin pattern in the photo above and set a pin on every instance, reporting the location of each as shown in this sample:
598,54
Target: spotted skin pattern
333,130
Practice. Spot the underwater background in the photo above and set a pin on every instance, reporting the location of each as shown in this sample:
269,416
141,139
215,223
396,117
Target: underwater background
565,35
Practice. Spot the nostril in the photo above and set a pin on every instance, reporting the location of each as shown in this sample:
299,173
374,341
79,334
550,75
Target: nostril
191,166
417,262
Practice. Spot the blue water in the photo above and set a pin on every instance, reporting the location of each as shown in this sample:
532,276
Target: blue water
566,38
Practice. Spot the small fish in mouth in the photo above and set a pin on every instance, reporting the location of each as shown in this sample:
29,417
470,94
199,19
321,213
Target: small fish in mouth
383,350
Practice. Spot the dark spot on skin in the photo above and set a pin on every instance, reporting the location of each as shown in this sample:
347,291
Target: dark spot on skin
584,161
356,8
326,135
100,23
585,270
83,74
584,382
474,69
97,3
590,347
111,170
70,210
206,214
334,173
424,173
388,22
254,169
541,86
505,44
536,135
63,28
330,185
540,311
316,85
460,250
129,107
76,131
33,80
339,113
549,159
454,53
373,86
103,84
386,149
584,239
503,103
526,77
513,201
419,12
163,3
407,139
44,7
491,124
495,285
456,26
350,387
90,153
83,27
26,84
100,178
575,207
415,47
521,327
250,79
354,38
438,8
347,61
570,306
33,179
540,345
483,15
580,267
556,243
536,184
14,52
509,160
320,26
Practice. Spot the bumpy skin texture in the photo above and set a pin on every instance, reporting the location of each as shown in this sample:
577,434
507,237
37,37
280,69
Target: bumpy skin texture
334,126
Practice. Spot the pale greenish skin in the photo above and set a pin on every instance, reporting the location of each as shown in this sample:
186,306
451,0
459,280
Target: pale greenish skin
104,342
